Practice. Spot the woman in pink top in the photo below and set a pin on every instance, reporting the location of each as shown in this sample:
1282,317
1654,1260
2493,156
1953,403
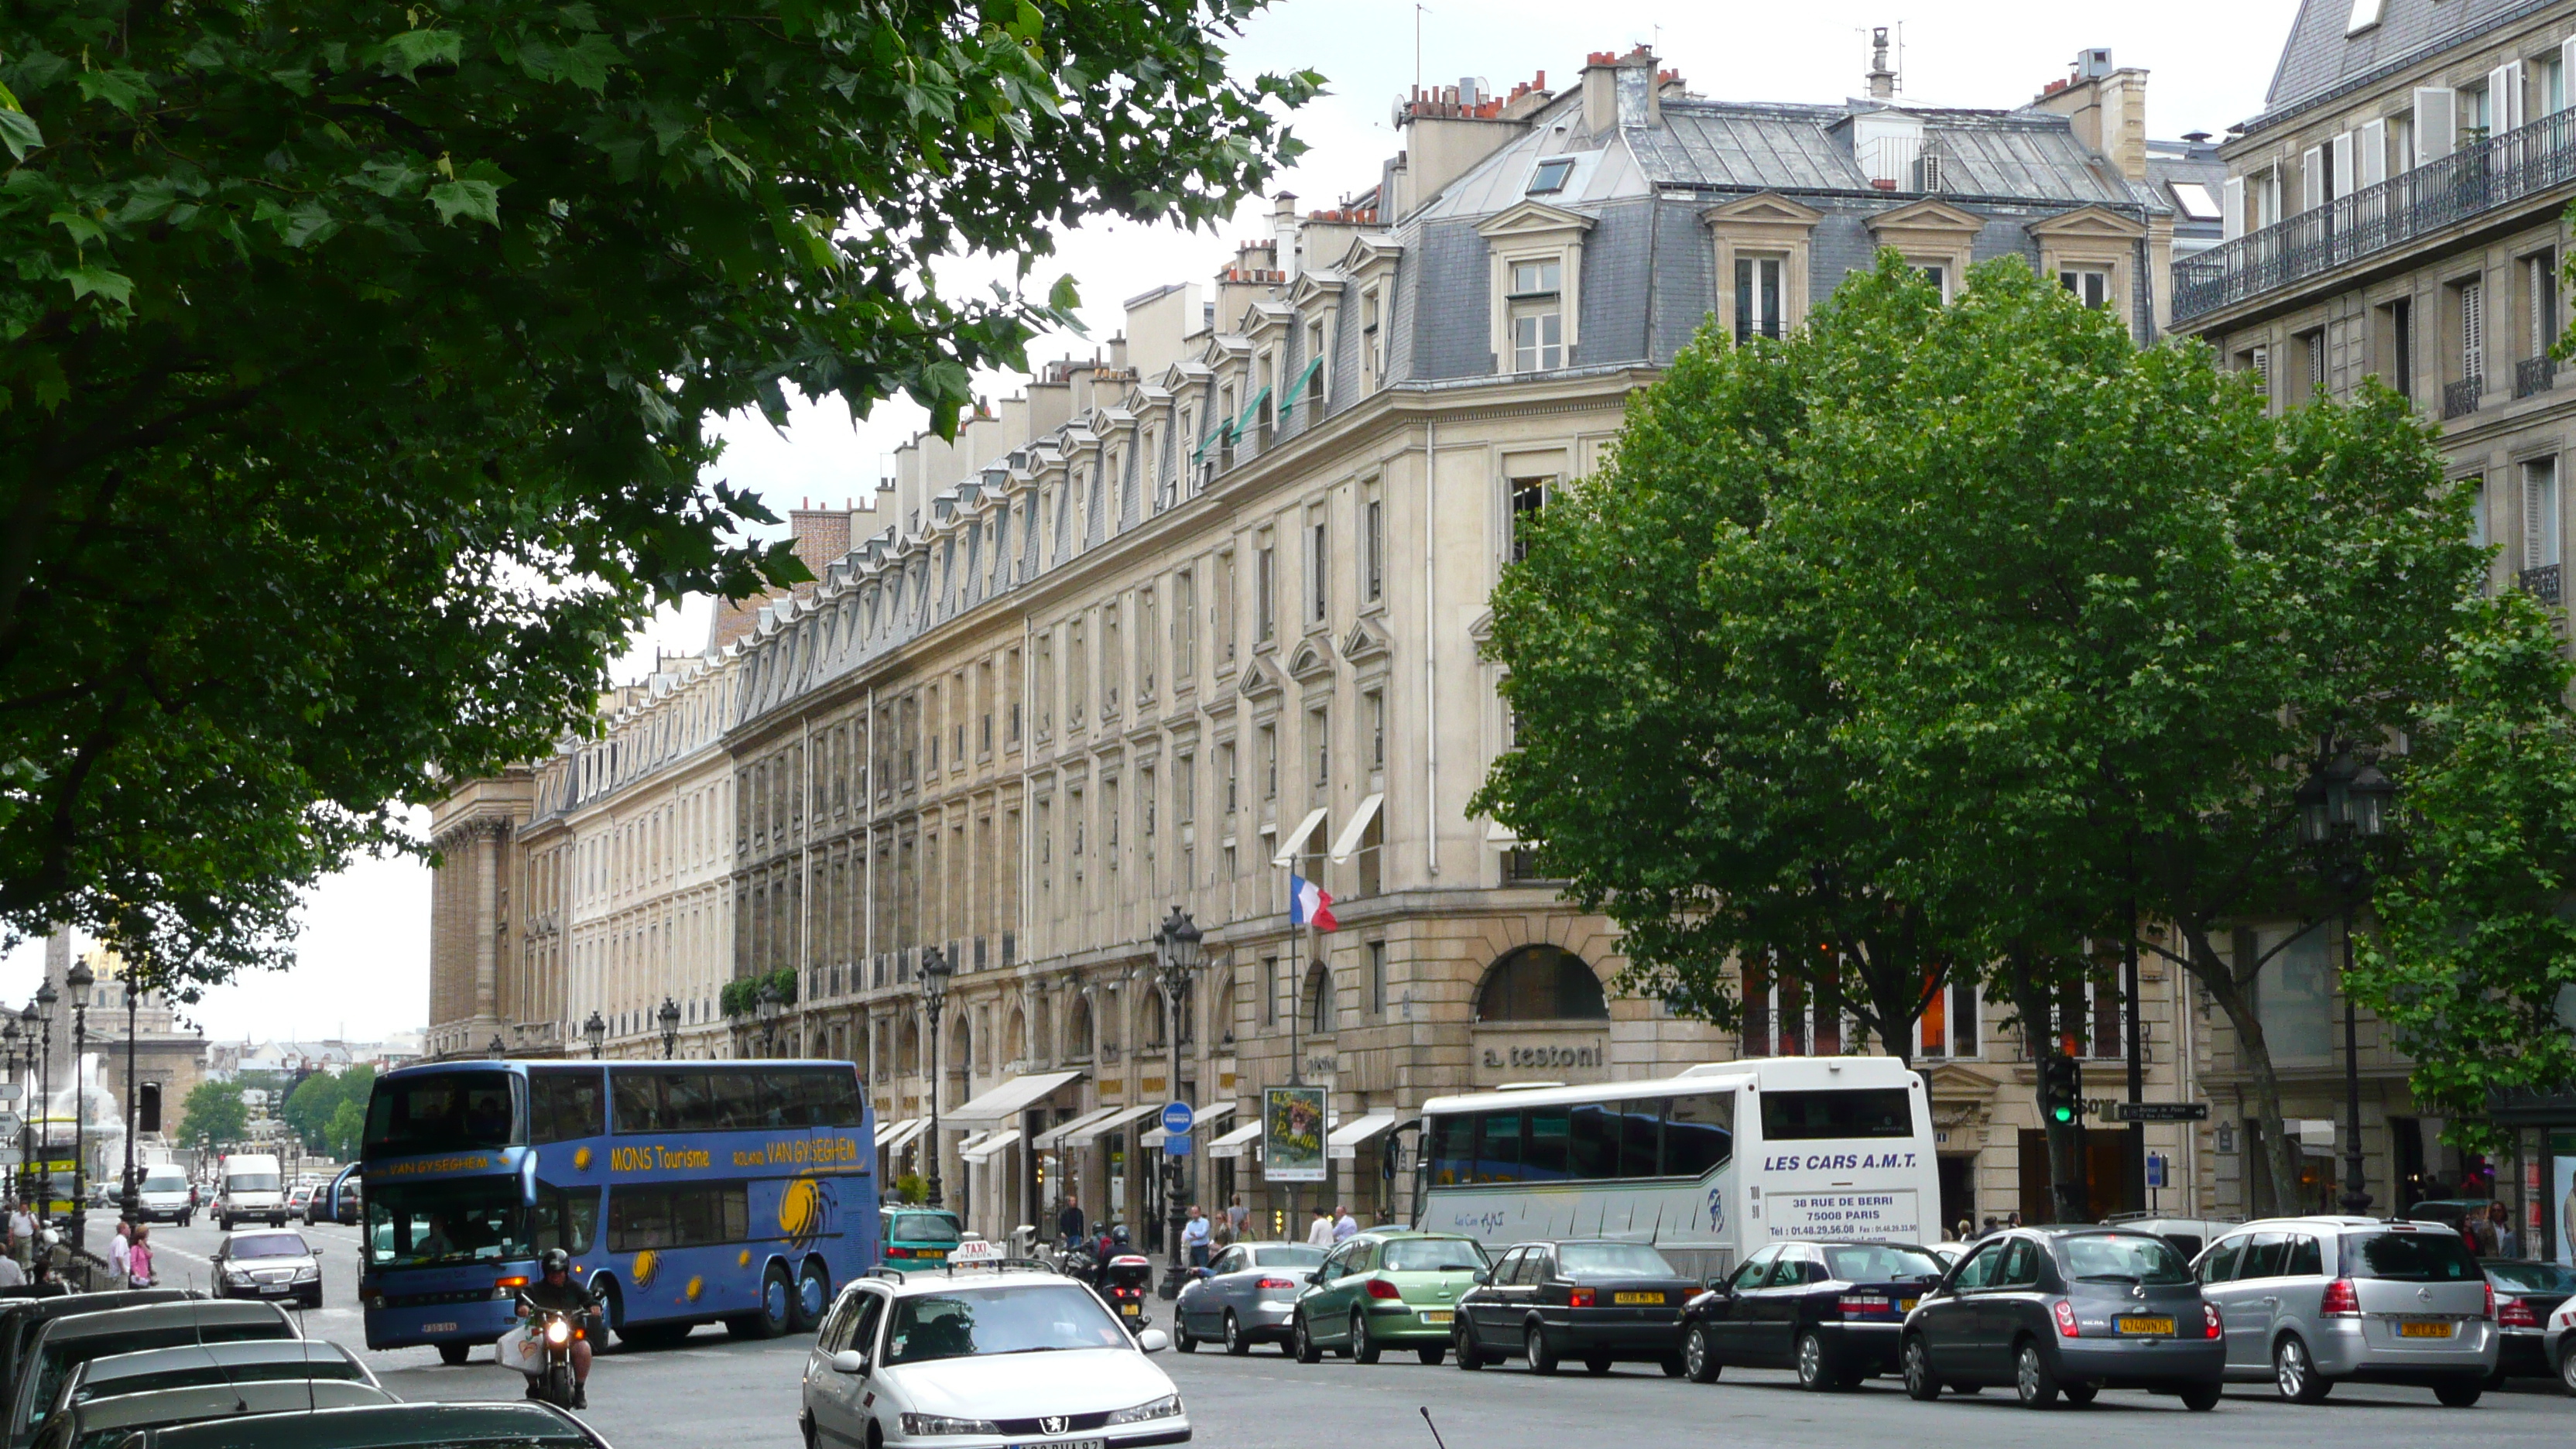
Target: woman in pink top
139,1258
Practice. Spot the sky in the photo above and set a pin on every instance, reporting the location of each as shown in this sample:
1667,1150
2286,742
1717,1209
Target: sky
363,955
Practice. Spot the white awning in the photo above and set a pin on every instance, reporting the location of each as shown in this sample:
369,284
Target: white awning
1006,1102
1111,1122
984,1150
1053,1137
1346,1139
967,1143
1236,1142
1202,1116
1347,844
1497,833
1296,839
902,1135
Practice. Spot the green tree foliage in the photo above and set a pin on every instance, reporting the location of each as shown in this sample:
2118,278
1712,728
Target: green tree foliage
2473,966
313,1109
345,1131
213,1114
2037,627
354,374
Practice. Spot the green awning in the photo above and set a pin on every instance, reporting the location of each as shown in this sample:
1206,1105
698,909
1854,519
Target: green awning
1221,431
1297,389
1251,410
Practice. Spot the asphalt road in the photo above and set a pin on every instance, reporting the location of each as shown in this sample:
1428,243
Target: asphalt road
713,1390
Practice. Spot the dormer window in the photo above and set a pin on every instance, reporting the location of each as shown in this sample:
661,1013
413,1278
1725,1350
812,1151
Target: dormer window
1551,176
1538,315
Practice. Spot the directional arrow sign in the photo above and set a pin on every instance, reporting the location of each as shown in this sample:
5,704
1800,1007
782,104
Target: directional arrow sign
2159,1112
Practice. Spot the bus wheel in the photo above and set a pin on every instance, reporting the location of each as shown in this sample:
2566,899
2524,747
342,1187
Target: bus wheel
454,1355
777,1300
813,1295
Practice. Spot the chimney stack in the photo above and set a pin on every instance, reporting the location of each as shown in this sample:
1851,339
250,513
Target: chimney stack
1600,92
1882,81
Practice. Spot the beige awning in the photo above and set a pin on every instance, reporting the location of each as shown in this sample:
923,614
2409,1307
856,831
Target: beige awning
1004,1103
1203,1115
984,1150
1236,1142
1110,1123
902,1135
1347,844
1054,1136
1295,840
1346,1139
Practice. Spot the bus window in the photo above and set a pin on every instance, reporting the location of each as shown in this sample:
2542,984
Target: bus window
690,1215
564,1105
1453,1150
1543,1153
1698,1134
1837,1113
1595,1141
564,1217
827,1096
689,1102
440,1113
1641,1138
639,1102
1498,1147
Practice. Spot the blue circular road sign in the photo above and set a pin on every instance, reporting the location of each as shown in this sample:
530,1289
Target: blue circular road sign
1177,1117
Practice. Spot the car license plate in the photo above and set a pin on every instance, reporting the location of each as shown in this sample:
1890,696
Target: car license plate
1064,1444
1627,1299
2424,1328
2147,1325
1905,1305
1438,1315
438,1328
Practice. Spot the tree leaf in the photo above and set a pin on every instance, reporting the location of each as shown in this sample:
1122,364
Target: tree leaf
96,281
471,198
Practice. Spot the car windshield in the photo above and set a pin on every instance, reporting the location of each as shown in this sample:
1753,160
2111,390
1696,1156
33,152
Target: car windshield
2409,1257
250,1182
1292,1255
61,1358
271,1245
922,1228
1612,1260
2533,1277
412,1223
971,1322
1433,1255
1880,1263
2122,1258
171,1180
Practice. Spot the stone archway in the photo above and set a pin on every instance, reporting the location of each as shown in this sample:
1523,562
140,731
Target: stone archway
1540,1015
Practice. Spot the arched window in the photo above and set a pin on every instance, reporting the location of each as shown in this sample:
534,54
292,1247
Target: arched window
1319,999
908,1048
1077,1028
1015,1040
1541,983
1155,1007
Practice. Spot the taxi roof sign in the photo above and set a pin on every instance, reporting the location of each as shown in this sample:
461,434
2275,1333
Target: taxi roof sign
974,1253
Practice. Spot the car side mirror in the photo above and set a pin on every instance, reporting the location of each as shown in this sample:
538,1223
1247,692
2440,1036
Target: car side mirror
849,1361
1153,1340
1315,1277
1484,1275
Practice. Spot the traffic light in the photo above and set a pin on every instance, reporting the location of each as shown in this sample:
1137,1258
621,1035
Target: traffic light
2061,1089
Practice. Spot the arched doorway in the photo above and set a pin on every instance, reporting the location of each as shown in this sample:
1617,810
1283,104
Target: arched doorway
1541,1016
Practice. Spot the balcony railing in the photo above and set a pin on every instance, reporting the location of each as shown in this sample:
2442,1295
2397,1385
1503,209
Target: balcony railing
2534,374
2459,399
2541,583
2481,177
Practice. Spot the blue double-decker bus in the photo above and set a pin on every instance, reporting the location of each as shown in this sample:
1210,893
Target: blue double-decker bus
739,1193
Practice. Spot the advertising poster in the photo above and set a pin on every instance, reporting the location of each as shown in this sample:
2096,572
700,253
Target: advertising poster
2562,1195
1292,1135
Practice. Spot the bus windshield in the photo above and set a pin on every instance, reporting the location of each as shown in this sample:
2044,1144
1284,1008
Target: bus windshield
414,1224
440,1112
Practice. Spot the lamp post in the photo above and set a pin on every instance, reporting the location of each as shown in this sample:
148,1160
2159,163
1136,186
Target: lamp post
669,1016
2343,807
46,996
30,1030
1176,945
10,1037
129,1201
498,1049
771,1008
79,979
595,1032
935,972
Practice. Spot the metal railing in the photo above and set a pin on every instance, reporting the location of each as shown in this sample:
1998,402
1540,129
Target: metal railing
2541,583
2534,374
2459,399
2481,177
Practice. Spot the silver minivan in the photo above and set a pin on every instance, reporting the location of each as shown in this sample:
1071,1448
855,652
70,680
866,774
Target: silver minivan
2310,1302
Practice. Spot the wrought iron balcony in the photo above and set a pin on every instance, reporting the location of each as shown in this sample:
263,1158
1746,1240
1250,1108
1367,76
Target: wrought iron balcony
2461,398
2534,374
2541,583
2481,177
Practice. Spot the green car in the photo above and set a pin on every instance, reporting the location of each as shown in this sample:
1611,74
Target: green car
1385,1290
910,1235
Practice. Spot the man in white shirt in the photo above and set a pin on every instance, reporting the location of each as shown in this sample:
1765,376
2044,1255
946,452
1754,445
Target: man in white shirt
22,1234
120,1254
1345,1225
1320,1235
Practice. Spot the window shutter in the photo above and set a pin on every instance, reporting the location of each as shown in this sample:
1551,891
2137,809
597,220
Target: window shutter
2504,98
2344,181
2437,119
2535,516
2231,207
2567,72
2312,178
2374,154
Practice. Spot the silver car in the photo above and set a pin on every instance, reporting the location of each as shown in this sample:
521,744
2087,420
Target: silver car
108,1398
2310,1302
1245,1296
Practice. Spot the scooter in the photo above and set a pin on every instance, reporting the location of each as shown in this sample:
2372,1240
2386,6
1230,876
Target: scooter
548,1361
1126,1281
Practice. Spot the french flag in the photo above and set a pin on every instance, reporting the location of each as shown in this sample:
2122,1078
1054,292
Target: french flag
1309,905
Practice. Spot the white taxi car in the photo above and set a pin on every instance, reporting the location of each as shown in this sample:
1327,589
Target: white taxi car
975,1358
2558,1345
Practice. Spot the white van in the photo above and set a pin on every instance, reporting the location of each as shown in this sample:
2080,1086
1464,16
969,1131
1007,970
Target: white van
165,1196
251,1188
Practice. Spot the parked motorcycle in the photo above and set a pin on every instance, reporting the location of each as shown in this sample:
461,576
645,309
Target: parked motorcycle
1126,1282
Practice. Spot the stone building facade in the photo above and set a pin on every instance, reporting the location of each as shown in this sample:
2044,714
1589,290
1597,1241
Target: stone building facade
1207,610
2397,211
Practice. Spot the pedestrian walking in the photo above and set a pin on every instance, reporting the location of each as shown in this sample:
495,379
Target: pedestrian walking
1237,1216
120,1251
1344,1225
2504,1236
2478,1230
1194,1237
138,1267
1068,1220
22,1235
1320,1233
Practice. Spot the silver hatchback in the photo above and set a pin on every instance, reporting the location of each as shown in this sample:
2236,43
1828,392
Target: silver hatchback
2310,1302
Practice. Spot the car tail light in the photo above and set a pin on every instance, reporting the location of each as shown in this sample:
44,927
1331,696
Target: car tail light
2513,1312
2491,1303
2341,1301
1276,1283
1852,1303
2065,1312
1380,1288
898,1252
2211,1327
1581,1298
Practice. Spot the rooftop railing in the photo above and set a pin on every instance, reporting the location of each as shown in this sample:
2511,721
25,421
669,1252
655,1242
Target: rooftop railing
2484,176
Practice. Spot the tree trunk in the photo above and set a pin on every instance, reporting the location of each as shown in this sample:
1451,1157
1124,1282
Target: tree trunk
2280,1157
2067,1183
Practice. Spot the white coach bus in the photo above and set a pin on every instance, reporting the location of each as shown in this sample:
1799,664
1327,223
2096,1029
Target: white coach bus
1708,1166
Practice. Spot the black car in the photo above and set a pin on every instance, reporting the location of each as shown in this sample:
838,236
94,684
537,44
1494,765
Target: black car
2067,1311
273,1263
1595,1301
1830,1310
21,1319
2526,1293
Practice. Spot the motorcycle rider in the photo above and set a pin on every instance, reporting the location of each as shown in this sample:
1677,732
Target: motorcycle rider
556,1291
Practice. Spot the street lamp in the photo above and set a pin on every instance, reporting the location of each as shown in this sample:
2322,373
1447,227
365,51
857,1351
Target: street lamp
669,1016
595,1032
1176,945
79,979
2343,806
32,1029
42,1014
10,1038
935,972
498,1049
129,1202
